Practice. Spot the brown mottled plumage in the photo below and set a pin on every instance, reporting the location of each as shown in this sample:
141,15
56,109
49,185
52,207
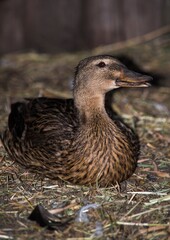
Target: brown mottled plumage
77,141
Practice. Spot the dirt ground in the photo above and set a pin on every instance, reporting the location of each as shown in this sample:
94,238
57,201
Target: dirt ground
141,209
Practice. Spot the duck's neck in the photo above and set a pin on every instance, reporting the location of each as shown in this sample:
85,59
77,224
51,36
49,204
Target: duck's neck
89,104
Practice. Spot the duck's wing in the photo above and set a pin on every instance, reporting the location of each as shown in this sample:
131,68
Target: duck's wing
40,132
40,118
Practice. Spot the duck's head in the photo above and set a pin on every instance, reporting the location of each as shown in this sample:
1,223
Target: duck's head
100,74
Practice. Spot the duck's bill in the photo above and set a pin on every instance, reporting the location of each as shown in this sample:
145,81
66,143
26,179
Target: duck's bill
133,79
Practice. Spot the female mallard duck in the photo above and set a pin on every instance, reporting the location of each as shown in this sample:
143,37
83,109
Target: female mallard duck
77,141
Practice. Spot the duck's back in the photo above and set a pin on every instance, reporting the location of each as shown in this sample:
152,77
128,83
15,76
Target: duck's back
42,115
42,127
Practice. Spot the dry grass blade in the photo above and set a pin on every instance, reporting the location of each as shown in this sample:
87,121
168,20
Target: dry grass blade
158,200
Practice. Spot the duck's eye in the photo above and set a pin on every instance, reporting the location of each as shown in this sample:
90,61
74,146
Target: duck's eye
101,64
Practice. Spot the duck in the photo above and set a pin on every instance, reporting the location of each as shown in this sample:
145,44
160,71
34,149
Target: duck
80,140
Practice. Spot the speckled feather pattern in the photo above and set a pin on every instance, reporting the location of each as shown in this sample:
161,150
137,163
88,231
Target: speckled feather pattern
111,158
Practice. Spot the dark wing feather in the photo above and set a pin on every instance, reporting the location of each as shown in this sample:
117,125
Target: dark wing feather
16,119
